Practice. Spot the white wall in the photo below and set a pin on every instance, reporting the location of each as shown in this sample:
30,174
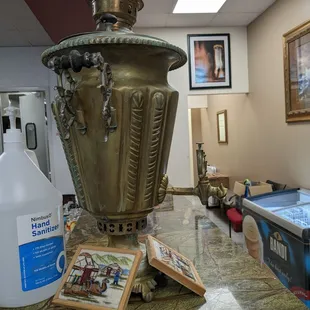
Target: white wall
179,164
197,101
21,69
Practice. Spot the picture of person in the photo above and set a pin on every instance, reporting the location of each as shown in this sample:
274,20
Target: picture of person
116,277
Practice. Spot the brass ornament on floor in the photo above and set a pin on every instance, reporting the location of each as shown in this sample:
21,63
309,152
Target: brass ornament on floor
115,113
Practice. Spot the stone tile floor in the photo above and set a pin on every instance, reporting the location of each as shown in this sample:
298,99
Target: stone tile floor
216,215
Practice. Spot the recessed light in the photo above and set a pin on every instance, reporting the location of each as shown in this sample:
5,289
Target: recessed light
198,6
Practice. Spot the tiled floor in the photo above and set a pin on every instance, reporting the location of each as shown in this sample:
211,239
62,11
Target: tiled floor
218,217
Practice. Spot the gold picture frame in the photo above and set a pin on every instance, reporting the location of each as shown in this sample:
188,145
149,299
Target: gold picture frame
98,279
222,129
296,46
174,265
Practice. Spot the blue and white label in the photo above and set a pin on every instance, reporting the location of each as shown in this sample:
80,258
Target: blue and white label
41,249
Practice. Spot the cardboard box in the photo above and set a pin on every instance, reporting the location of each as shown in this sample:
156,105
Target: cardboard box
257,189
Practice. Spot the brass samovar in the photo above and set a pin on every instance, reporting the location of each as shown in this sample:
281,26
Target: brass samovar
115,113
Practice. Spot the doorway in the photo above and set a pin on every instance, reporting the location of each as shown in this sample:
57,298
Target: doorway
196,104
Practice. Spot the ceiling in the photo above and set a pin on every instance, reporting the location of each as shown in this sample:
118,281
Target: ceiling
44,22
158,13
19,26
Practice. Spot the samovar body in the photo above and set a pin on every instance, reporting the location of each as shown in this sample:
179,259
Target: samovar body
119,177
115,114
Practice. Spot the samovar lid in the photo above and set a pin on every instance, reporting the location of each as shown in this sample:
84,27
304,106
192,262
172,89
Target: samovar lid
114,20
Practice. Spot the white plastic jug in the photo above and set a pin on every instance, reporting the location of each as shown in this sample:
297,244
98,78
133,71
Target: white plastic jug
32,259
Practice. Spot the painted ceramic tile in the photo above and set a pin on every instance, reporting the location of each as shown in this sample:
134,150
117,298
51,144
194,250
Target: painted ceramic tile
174,265
172,259
99,278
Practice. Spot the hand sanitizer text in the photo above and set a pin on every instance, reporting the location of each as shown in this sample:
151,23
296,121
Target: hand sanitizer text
43,227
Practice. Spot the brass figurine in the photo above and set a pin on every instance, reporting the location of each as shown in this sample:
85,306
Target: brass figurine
115,113
204,190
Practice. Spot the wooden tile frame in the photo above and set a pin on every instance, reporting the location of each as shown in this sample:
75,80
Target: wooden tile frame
127,290
294,34
197,287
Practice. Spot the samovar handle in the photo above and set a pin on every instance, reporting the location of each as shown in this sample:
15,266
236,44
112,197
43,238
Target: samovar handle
76,62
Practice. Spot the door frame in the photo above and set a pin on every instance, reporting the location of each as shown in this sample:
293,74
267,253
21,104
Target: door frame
50,162
193,103
191,158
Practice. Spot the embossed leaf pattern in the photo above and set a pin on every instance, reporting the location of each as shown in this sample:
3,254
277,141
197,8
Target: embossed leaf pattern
135,144
158,102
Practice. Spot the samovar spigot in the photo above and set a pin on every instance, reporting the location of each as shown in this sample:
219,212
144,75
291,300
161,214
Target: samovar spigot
204,190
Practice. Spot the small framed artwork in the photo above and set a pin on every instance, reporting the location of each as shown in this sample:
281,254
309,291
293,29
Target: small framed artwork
99,278
209,61
296,45
174,265
222,130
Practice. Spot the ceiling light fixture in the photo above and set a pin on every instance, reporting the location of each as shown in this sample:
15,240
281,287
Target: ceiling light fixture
198,6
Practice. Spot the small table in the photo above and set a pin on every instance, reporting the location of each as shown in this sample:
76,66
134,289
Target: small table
216,179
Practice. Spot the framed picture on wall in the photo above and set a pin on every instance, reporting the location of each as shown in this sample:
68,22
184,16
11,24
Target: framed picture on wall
209,61
222,131
296,44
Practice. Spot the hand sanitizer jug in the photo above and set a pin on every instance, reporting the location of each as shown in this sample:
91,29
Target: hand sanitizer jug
32,255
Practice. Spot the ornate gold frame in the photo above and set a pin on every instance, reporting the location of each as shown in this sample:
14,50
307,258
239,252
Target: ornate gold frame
218,127
292,35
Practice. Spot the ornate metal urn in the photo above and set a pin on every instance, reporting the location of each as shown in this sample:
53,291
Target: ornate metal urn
115,113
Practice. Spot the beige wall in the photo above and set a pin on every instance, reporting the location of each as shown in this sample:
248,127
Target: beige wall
261,144
235,158
179,167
